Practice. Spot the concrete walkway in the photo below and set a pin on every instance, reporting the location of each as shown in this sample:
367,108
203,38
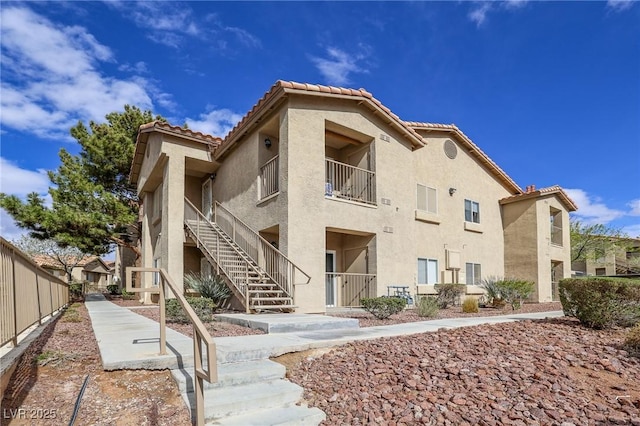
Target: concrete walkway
128,340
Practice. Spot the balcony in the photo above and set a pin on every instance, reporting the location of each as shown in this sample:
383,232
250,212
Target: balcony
347,182
556,235
269,178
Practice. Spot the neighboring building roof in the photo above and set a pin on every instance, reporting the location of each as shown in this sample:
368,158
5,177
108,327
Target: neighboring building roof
473,149
164,127
531,192
282,88
48,262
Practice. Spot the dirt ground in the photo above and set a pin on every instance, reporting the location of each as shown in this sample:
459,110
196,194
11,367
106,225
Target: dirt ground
44,388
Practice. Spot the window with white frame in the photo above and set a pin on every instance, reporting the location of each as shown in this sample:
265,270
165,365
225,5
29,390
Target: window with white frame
471,211
473,274
427,199
157,203
427,271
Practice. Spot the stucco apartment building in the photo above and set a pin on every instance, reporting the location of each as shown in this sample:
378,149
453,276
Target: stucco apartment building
91,269
321,195
621,260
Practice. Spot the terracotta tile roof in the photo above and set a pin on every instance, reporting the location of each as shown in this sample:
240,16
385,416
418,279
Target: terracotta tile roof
473,150
48,262
281,88
161,126
532,192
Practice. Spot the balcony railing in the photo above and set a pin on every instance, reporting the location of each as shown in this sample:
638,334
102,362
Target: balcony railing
556,235
350,182
351,288
269,178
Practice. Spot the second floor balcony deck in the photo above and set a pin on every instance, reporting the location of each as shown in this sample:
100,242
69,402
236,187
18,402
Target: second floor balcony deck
347,182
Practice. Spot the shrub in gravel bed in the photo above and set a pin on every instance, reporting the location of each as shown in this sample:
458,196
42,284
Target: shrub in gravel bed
601,302
514,291
383,307
470,305
449,294
632,341
209,286
427,307
113,289
203,307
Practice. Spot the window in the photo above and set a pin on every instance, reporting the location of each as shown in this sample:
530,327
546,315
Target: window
157,203
427,199
427,271
556,226
601,271
471,211
474,274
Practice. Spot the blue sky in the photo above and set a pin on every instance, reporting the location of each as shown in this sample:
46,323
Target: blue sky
549,90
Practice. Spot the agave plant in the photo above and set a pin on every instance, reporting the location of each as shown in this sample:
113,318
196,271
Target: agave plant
210,286
491,285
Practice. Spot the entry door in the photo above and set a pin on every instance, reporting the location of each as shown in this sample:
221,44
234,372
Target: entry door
331,281
207,200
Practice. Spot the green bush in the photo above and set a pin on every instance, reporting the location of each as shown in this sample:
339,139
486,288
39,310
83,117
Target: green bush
383,307
210,286
514,291
126,295
632,341
113,289
449,294
203,307
470,305
492,289
601,302
75,289
427,306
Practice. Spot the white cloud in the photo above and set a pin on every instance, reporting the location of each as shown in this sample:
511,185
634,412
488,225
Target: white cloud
480,10
632,231
216,122
619,5
336,69
479,13
51,77
138,68
17,181
635,207
591,209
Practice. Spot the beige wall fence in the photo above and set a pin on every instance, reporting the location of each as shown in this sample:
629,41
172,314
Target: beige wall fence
28,293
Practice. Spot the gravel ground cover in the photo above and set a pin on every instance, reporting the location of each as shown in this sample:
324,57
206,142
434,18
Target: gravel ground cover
545,372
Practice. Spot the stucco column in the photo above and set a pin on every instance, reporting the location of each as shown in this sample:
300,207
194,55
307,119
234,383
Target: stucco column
146,246
172,258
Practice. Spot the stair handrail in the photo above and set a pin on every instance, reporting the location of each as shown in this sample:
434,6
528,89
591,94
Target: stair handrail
200,333
201,218
268,251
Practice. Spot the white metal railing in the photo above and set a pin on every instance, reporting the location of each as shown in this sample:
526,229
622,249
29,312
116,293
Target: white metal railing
238,273
350,182
201,337
269,178
28,293
556,235
351,288
269,259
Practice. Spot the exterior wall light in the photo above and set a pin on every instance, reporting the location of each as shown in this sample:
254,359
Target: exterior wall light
212,176
452,191
267,142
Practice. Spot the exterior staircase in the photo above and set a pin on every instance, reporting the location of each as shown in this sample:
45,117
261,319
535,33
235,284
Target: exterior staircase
259,275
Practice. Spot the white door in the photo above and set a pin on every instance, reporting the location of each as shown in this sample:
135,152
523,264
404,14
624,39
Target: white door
331,281
207,200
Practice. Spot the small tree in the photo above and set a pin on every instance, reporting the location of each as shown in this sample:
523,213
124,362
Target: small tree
589,240
66,258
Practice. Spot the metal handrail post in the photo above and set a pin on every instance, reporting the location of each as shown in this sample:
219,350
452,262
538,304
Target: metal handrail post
163,321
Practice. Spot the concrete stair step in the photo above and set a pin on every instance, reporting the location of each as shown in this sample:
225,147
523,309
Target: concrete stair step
280,416
272,299
220,403
233,374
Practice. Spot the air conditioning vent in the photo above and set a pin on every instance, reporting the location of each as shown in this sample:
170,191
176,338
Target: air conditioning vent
388,229
450,149
386,201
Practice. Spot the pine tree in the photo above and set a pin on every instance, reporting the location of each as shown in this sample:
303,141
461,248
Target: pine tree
93,204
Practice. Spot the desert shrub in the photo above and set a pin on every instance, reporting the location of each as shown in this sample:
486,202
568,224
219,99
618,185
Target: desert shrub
127,295
210,286
203,307
514,291
75,289
71,314
632,341
601,302
427,306
470,305
383,307
113,289
492,289
449,294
